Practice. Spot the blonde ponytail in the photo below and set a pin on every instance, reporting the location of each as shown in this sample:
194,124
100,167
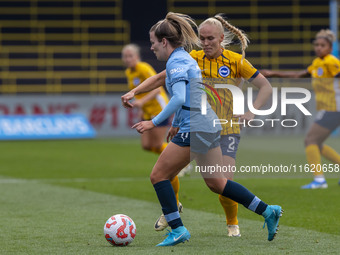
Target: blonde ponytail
239,33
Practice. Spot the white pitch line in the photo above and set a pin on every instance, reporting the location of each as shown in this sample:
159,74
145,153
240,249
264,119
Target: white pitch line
79,180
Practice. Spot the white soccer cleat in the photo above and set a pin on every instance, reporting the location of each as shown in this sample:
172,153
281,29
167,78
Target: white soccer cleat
161,222
234,231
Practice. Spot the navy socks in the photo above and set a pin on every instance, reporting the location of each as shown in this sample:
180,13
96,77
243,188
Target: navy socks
243,196
167,199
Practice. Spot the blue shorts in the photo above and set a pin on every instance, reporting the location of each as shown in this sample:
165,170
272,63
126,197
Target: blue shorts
199,142
229,144
329,120
165,123
181,139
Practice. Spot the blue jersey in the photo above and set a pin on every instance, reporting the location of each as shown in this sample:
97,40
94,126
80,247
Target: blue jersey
181,67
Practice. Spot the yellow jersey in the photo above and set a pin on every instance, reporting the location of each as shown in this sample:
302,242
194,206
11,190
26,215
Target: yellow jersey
326,88
227,68
136,76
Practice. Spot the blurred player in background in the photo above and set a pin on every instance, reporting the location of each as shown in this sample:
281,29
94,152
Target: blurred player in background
150,103
226,67
168,37
324,70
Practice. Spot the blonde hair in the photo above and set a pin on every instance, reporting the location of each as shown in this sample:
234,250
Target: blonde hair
177,28
326,34
134,47
229,32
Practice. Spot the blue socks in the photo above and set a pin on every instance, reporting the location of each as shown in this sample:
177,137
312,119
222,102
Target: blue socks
167,199
243,196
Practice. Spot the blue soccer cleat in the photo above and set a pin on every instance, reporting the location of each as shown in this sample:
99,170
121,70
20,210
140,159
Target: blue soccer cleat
272,216
176,236
315,185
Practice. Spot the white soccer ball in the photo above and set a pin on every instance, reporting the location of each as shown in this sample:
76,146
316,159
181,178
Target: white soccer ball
119,230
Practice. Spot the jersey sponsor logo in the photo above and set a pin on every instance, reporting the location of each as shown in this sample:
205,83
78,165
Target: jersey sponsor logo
320,71
224,71
136,81
176,70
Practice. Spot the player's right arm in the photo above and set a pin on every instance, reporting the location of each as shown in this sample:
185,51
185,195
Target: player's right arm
149,84
285,74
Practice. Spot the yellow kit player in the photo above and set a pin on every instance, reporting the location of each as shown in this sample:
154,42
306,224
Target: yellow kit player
229,67
324,70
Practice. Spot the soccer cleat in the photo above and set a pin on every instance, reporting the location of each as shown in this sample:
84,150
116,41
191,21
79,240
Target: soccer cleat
161,222
234,230
176,236
272,216
316,185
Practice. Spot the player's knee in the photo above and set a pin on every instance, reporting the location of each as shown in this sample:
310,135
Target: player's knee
153,178
214,188
310,139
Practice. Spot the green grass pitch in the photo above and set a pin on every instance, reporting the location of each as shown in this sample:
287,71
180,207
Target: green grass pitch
57,195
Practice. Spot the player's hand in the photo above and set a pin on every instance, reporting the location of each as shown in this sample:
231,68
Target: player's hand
171,133
143,126
126,98
245,117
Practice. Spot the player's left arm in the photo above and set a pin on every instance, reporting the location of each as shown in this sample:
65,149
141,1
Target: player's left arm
176,101
265,91
149,96
333,66
149,84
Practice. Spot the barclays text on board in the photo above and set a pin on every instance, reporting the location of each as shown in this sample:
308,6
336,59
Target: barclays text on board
45,127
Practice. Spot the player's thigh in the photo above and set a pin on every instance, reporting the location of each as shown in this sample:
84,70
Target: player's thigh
171,161
146,140
157,136
316,135
229,164
211,169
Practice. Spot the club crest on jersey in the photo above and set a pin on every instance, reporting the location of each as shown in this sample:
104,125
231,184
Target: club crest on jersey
320,71
223,71
136,81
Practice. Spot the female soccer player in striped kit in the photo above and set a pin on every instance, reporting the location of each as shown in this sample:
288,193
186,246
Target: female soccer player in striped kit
229,67
324,70
226,67
168,37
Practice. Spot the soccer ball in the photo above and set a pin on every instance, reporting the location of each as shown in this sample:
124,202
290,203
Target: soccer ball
119,230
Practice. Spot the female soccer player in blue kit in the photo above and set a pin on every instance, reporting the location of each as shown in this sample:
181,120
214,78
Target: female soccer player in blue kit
190,138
